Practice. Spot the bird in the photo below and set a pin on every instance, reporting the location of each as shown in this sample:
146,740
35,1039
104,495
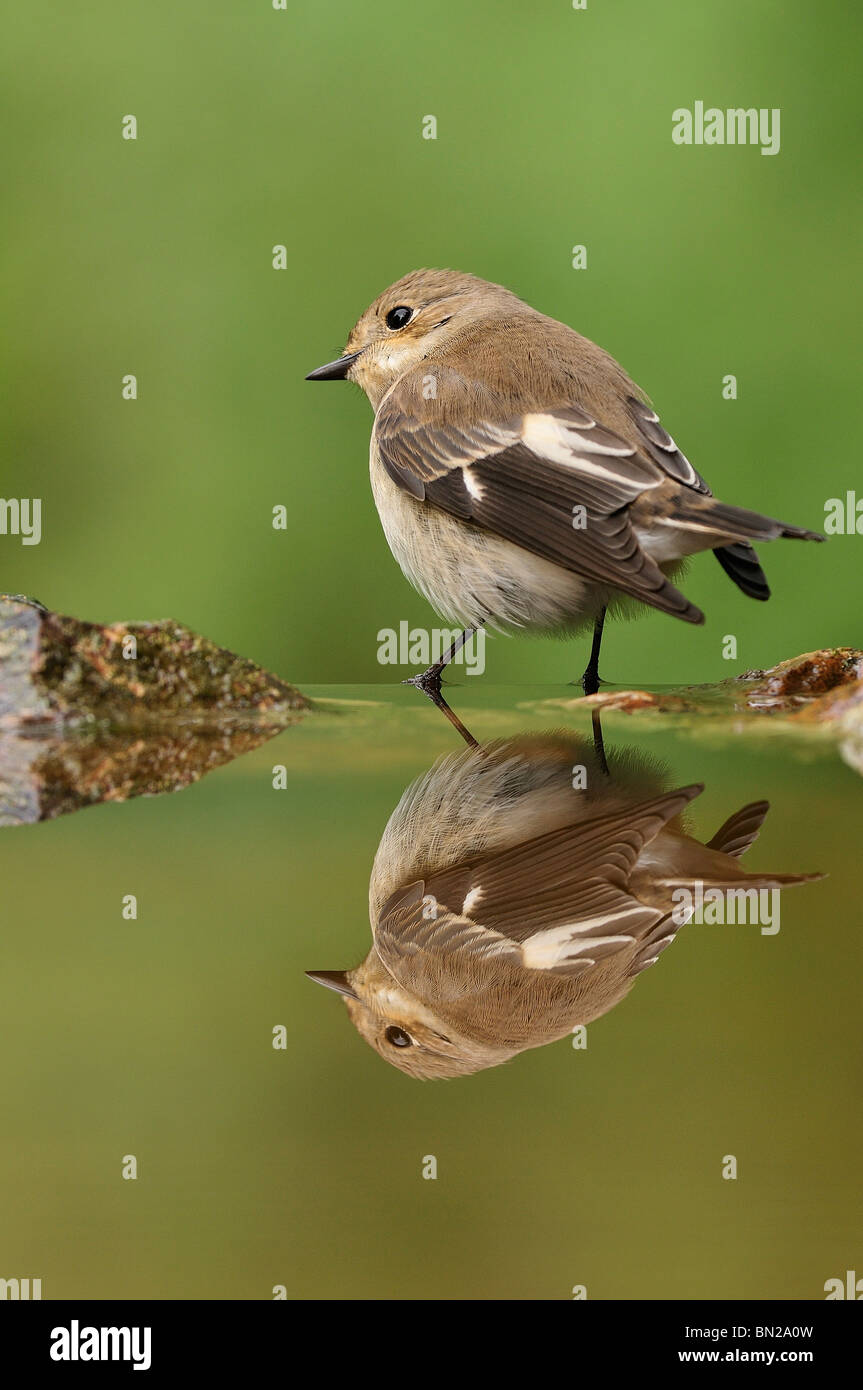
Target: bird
511,901
522,479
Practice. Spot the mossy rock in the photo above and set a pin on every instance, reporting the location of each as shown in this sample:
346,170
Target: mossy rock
54,667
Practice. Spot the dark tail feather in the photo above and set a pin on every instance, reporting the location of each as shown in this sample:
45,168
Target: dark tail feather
706,513
741,564
740,831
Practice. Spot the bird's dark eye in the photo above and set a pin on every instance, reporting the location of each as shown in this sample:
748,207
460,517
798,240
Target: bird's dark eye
398,1037
397,318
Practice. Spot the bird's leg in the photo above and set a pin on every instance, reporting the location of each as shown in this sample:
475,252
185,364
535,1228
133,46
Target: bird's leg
430,680
590,681
429,683
440,703
598,745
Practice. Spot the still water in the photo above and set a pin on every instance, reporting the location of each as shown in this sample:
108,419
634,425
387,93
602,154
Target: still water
603,1159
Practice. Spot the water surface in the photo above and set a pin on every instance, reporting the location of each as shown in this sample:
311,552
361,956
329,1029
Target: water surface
303,1166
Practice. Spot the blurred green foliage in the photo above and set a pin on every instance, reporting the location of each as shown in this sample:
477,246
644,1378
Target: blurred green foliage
303,127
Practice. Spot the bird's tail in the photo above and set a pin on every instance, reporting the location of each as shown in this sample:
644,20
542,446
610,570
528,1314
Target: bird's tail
718,520
706,520
737,834
740,563
714,866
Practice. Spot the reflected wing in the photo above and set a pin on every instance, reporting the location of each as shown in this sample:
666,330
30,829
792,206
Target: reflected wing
559,903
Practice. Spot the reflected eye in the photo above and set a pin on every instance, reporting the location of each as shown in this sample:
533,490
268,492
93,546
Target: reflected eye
398,1037
397,318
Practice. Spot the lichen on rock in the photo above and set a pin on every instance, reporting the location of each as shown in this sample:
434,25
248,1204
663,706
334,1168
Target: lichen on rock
54,667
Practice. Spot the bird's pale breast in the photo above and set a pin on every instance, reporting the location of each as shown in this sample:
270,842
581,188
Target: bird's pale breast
469,575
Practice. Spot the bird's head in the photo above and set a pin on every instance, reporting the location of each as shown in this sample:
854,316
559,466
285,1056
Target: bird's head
413,319
401,1028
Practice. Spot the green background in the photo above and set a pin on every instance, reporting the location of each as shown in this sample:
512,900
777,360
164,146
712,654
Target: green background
303,127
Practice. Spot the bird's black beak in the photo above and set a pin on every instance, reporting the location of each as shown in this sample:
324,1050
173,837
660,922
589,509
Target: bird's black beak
333,371
332,979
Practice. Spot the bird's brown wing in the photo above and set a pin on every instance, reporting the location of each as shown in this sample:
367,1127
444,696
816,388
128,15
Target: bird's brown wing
555,482
558,903
657,443
739,560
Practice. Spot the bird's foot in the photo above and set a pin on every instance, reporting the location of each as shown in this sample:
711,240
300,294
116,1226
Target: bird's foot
429,683
426,681
591,681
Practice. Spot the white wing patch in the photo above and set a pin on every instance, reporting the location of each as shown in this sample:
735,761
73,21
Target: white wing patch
560,442
475,488
550,949
470,902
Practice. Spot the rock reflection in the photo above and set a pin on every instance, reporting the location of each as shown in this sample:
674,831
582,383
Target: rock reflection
92,713
518,890
47,775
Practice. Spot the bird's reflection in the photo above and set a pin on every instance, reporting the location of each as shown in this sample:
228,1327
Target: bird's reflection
518,890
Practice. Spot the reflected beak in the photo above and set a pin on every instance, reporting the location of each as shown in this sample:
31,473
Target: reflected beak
332,979
334,371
